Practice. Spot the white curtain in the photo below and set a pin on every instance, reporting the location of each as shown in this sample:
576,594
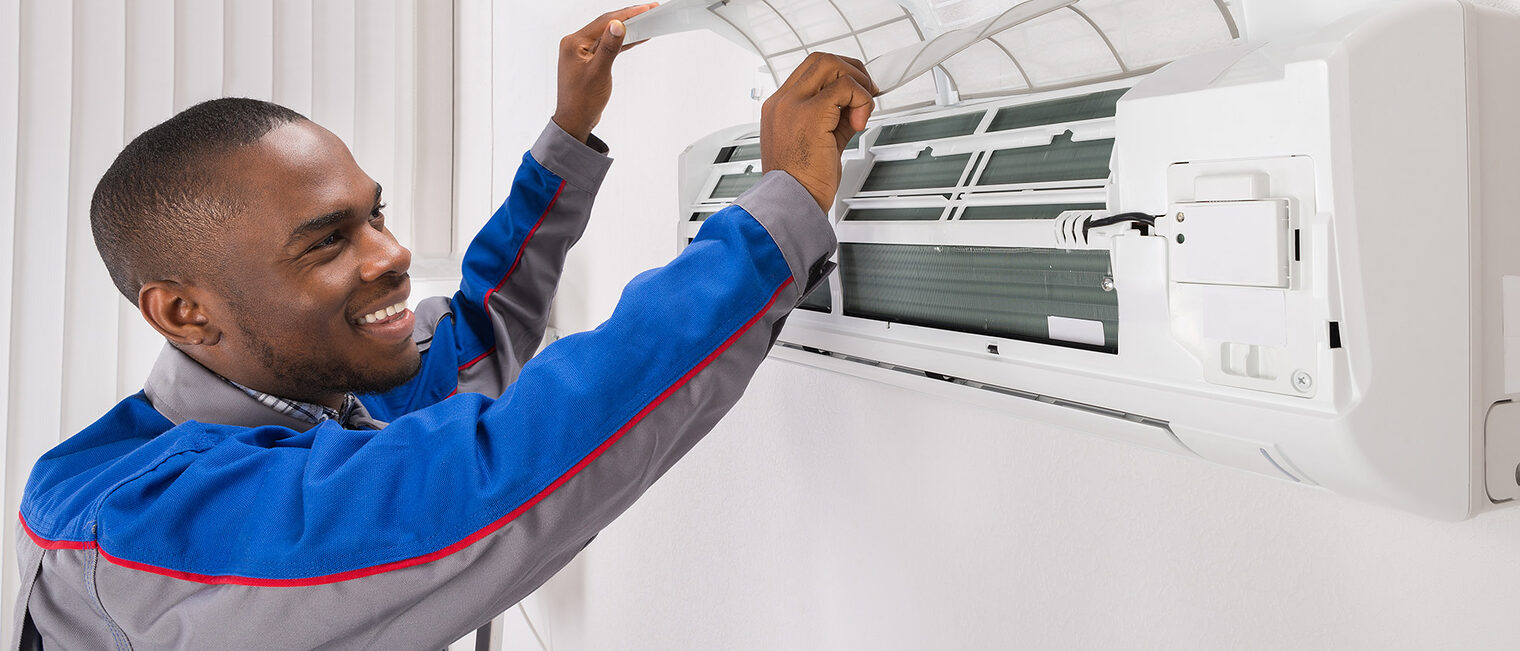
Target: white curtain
79,79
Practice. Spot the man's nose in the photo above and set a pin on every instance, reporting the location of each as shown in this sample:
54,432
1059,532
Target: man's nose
383,255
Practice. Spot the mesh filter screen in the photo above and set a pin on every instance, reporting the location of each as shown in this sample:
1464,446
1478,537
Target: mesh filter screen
821,299
1061,160
926,171
946,127
1044,211
1071,109
1000,292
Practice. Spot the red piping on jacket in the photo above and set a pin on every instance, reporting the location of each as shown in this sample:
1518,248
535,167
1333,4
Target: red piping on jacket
54,544
462,544
520,249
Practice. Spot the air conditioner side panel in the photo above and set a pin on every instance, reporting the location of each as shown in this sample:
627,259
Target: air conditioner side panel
1493,92
1402,222
1378,104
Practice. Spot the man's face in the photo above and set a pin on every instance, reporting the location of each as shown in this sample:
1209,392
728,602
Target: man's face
310,273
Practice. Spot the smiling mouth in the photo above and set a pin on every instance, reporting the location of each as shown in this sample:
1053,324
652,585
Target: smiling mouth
382,315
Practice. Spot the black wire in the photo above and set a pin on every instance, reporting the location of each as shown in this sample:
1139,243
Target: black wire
1145,222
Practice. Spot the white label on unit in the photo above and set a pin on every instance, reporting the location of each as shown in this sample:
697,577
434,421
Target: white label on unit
1081,331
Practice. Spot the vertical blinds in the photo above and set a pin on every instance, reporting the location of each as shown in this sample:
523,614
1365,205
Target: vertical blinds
82,78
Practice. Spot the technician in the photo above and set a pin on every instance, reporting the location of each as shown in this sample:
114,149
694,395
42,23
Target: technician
311,464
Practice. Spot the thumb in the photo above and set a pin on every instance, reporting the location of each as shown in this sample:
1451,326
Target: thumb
610,44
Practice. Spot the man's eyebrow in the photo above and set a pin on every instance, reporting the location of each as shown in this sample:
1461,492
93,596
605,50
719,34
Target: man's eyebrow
320,222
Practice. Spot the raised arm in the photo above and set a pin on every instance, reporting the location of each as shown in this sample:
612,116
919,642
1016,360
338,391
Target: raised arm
484,334
478,340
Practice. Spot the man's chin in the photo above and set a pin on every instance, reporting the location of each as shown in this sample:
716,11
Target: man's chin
383,381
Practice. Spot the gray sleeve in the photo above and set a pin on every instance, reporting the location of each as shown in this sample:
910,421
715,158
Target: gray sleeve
776,202
513,267
520,304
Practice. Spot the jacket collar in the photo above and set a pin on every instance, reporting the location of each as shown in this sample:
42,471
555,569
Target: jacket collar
183,390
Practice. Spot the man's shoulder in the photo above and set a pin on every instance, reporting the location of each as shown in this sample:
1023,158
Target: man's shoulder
69,481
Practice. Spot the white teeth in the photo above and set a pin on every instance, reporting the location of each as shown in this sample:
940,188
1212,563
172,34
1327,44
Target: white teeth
382,314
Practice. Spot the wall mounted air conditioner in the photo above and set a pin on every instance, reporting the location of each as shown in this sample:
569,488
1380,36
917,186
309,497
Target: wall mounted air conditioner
1298,257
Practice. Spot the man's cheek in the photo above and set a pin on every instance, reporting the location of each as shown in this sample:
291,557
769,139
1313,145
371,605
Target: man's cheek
301,312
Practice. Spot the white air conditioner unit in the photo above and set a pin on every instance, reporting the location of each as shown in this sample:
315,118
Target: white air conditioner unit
1298,257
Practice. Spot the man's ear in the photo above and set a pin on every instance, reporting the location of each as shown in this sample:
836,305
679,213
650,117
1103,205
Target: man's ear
178,312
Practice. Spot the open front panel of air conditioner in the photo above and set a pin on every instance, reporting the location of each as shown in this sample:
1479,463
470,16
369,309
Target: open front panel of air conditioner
920,51
1295,258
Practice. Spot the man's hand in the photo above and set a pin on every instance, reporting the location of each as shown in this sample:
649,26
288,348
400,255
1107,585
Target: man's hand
585,70
806,123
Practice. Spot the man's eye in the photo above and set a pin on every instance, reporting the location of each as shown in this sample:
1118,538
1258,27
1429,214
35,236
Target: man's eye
377,212
326,241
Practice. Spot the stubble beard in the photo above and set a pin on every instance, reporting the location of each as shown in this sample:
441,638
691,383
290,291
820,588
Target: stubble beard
312,376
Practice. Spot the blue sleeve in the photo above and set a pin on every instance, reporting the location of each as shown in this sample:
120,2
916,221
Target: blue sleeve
418,532
598,414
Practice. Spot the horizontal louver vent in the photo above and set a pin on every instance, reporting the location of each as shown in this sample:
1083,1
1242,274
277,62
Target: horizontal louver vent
1008,293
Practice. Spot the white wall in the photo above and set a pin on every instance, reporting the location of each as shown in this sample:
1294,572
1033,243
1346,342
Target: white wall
833,513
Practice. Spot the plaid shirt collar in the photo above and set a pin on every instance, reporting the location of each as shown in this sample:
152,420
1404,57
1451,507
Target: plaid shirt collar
305,411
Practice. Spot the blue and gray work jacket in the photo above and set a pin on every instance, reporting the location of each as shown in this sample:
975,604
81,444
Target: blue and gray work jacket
192,517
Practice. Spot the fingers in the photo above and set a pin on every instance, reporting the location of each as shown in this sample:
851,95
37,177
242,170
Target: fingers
857,116
811,117
585,70
845,93
820,69
857,66
594,29
603,38
850,103
610,44
631,11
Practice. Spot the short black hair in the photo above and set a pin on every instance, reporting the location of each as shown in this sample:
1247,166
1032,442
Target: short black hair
154,210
